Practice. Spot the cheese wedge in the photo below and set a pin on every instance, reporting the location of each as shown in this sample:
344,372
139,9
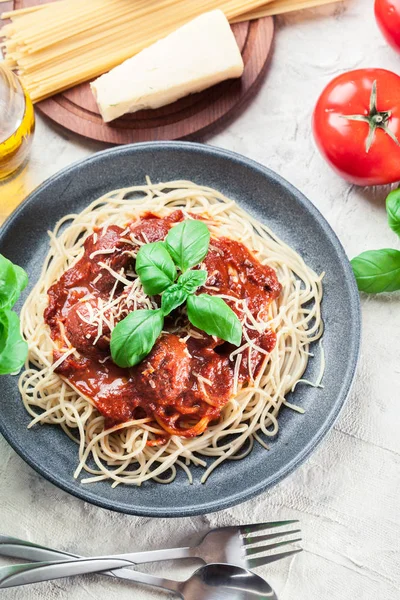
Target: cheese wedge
194,57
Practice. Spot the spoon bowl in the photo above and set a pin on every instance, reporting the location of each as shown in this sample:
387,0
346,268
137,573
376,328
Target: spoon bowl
225,582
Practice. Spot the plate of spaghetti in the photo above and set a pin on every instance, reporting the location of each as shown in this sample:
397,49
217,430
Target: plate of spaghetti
193,328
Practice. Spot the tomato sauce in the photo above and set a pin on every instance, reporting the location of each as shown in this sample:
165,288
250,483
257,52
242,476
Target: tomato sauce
188,377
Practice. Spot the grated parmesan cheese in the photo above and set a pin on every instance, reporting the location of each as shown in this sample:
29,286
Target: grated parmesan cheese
120,278
202,379
58,362
236,373
103,360
146,239
105,251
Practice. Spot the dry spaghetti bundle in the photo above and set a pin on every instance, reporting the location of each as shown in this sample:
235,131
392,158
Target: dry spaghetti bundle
57,45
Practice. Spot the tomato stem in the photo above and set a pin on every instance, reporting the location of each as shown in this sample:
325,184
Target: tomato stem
375,119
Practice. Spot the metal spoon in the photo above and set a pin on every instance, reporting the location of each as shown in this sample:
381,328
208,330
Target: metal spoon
211,582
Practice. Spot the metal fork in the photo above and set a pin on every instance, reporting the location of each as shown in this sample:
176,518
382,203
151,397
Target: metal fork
232,545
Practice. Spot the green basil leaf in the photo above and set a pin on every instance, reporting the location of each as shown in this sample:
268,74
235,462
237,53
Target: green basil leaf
188,243
22,278
191,280
393,210
155,268
173,297
213,315
13,348
377,270
13,280
133,337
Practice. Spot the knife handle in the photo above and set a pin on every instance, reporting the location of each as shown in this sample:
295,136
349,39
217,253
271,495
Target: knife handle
16,575
21,549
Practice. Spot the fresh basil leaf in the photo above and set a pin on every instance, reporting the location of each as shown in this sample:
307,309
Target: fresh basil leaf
133,337
13,348
8,283
13,280
393,210
377,270
212,315
173,297
191,280
155,268
22,278
188,243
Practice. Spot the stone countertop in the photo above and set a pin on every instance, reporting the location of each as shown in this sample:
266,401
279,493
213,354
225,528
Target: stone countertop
347,494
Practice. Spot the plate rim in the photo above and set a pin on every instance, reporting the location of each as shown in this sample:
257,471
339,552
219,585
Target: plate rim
83,493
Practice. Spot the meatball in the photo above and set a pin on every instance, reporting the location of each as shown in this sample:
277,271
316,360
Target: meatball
214,375
153,229
81,332
120,259
164,373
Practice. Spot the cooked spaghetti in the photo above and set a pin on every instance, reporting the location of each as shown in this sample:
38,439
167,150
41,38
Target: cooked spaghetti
194,397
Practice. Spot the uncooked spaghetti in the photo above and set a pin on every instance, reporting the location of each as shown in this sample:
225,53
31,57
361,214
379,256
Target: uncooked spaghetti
133,452
57,45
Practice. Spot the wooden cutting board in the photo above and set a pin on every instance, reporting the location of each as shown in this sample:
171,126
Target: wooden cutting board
197,114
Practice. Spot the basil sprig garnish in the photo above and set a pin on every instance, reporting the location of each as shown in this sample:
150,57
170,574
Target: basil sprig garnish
185,246
212,314
378,271
187,243
13,348
133,337
191,280
155,268
173,297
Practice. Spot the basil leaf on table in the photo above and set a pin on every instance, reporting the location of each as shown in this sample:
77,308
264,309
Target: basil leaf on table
173,297
155,268
377,270
191,280
13,348
188,243
393,210
13,280
212,315
133,337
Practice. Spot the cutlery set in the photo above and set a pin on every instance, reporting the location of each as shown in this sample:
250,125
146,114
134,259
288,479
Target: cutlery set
228,554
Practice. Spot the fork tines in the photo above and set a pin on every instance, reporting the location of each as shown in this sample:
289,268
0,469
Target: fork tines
249,540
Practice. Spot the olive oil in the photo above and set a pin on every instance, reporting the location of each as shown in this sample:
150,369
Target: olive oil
17,123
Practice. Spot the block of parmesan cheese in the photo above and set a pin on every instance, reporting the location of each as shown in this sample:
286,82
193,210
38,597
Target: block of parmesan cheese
194,57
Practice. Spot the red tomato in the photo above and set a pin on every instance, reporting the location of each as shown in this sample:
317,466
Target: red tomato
387,13
356,125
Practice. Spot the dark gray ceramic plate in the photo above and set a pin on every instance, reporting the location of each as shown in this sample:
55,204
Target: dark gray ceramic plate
272,200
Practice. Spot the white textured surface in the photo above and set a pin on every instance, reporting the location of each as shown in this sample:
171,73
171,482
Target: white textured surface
347,494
